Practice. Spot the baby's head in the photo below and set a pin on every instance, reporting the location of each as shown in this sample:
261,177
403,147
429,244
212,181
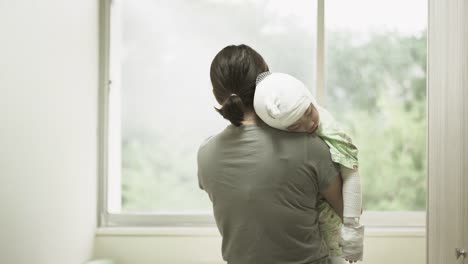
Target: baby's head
283,102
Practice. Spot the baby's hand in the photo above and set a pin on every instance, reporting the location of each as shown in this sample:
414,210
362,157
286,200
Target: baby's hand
352,259
352,242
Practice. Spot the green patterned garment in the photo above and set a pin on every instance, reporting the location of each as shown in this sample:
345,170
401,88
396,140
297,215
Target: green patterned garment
342,150
330,227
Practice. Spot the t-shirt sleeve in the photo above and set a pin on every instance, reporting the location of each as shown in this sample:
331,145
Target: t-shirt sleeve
325,168
327,172
199,168
200,163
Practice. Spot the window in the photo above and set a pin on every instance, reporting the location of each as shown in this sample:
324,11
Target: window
160,105
376,88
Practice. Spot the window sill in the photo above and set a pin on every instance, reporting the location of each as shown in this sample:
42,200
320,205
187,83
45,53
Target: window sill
373,220
158,231
213,231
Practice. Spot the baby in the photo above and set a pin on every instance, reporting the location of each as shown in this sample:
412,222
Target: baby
283,102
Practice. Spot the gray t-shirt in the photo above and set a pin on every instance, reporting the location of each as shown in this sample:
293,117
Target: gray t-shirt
264,184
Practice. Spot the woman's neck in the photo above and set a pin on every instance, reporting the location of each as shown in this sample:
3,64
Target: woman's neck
250,118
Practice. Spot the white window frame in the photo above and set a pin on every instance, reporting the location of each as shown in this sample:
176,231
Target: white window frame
413,221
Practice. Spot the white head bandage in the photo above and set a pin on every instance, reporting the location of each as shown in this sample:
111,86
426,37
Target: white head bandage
280,100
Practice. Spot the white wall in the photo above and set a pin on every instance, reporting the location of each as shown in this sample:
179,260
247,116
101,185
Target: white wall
48,127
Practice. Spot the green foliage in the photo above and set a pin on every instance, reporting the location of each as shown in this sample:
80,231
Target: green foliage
158,174
377,89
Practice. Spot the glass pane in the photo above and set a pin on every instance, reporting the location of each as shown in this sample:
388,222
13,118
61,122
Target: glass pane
376,88
166,48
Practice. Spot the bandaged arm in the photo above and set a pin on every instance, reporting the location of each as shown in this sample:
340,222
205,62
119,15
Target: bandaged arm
352,232
352,197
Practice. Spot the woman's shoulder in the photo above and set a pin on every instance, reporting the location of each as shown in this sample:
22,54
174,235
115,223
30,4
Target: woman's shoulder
317,147
211,140
205,142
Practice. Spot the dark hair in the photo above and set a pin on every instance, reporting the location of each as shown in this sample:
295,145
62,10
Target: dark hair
233,73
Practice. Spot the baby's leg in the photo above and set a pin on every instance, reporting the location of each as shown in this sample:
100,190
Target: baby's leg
330,227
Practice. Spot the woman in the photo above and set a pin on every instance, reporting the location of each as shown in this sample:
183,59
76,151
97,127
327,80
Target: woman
263,182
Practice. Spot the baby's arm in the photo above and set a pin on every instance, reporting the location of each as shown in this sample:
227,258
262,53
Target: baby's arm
352,197
351,182
352,232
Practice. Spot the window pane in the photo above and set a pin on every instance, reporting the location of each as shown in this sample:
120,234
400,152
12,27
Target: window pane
376,88
166,48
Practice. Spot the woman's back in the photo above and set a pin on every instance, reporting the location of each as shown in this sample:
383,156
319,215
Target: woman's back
264,185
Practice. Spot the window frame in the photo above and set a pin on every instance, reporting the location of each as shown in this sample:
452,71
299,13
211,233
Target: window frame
398,220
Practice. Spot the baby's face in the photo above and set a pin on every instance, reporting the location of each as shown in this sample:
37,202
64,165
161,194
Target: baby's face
308,123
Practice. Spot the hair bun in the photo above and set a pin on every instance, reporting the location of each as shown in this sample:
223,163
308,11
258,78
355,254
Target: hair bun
233,109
